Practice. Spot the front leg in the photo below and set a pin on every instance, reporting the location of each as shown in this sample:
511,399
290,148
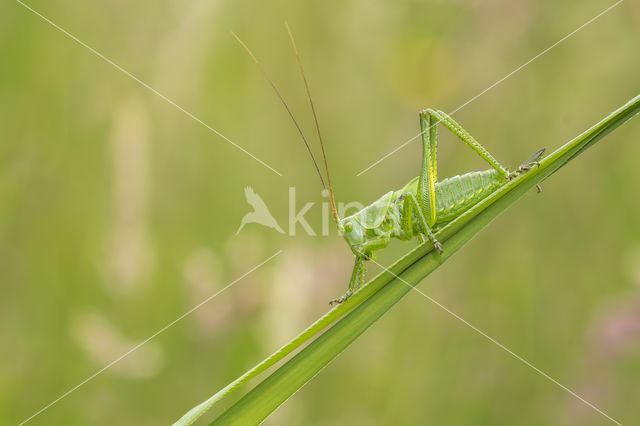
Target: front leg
409,205
357,277
362,253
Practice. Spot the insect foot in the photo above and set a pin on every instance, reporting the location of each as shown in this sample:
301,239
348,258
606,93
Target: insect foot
436,244
527,167
342,298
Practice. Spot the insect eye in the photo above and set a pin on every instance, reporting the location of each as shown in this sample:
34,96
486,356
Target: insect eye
348,227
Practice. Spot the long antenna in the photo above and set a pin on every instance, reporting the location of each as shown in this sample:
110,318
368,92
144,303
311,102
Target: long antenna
315,118
266,76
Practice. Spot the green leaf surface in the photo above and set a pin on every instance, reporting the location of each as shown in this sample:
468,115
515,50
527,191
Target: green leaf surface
368,304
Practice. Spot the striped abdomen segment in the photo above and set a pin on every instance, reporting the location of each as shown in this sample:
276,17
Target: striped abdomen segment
457,194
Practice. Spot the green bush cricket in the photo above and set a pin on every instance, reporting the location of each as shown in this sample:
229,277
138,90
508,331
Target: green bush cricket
425,204
422,206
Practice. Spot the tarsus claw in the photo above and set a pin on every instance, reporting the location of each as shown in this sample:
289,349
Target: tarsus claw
341,298
438,246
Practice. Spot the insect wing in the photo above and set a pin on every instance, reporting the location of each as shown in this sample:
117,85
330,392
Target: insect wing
372,216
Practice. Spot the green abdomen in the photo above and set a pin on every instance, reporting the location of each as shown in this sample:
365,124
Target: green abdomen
457,194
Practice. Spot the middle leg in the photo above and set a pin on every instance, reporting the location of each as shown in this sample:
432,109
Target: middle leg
410,204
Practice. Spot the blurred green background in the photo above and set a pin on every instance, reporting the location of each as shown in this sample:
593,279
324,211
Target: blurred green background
118,212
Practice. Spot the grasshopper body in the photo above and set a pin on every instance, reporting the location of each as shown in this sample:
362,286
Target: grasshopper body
424,205
383,219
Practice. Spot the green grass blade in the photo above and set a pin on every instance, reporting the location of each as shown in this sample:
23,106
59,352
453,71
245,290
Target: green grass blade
382,292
